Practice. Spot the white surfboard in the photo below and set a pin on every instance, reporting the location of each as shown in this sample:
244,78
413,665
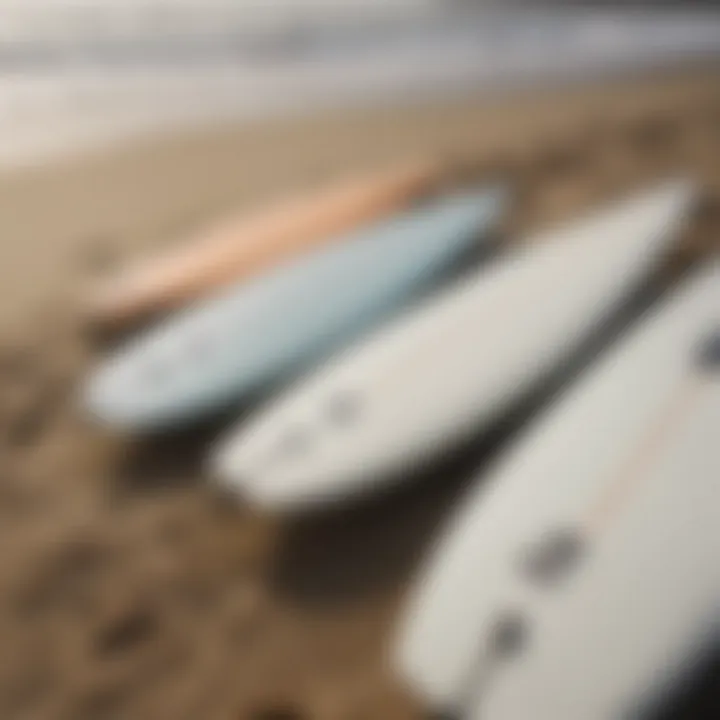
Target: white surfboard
452,364
594,541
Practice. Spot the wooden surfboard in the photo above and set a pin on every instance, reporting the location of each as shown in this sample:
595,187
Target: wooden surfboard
245,246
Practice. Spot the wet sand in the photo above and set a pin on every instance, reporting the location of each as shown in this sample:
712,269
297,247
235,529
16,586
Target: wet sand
128,587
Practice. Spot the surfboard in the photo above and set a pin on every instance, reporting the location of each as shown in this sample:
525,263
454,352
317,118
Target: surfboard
261,332
244,246
442,370
581,572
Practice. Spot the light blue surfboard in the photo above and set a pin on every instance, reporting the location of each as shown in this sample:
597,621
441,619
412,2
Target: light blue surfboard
228,348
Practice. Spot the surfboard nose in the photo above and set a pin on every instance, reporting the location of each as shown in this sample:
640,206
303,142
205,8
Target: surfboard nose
110,404
231,467
236,477
275,467
121,394
104,397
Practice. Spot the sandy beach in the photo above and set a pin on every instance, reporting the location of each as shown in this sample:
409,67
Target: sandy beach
129,588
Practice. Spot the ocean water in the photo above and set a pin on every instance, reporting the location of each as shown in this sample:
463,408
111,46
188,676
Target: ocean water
71,81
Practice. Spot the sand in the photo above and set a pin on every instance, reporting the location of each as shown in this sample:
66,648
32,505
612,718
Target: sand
129,588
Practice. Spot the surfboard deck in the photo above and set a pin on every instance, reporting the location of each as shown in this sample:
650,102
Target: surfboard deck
261,332
441,371
580,540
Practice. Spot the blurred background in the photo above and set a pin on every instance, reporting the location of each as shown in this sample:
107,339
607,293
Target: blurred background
128,588
107,67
